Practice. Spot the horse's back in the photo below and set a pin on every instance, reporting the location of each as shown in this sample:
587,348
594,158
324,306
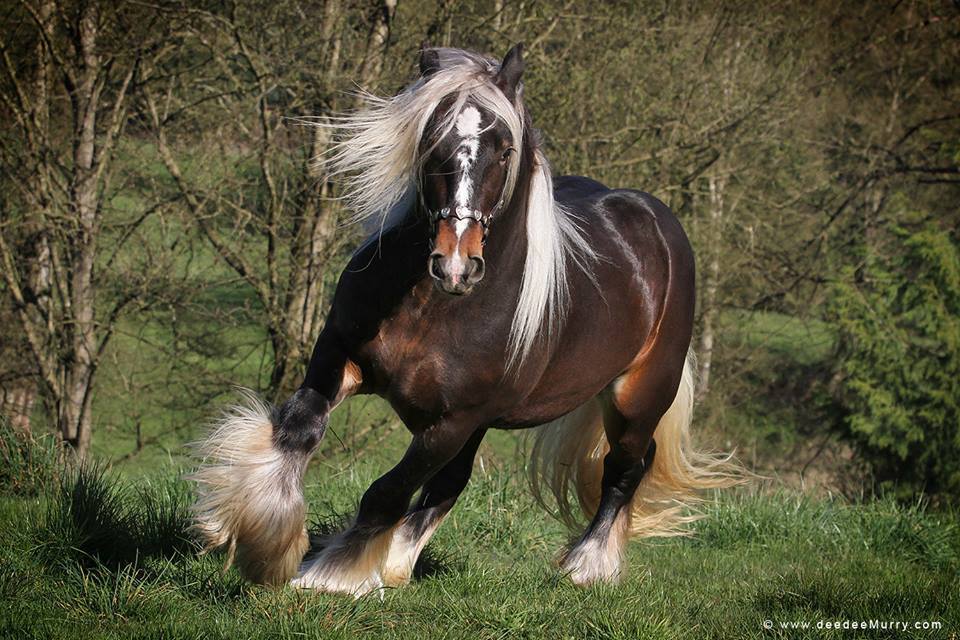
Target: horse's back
628,224
640,237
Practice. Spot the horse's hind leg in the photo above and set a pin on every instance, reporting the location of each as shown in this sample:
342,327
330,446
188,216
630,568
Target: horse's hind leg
633,406
436,500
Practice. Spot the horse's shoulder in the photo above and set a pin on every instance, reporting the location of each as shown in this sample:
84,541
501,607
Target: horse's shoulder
381,272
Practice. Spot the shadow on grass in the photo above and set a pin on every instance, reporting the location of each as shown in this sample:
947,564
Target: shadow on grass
95,522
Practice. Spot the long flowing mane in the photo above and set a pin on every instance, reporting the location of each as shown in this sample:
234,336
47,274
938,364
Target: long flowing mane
376,153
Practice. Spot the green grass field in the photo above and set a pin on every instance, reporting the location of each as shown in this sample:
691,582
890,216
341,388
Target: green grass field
106,554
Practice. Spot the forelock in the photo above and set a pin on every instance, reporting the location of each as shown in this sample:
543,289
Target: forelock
380,149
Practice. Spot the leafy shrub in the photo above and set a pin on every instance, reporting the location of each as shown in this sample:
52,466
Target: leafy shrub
898,374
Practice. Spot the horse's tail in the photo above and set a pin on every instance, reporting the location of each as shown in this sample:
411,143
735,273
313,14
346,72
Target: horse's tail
567,457
249,485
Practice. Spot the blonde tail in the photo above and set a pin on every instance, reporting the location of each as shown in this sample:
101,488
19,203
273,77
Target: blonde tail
567,458
250,495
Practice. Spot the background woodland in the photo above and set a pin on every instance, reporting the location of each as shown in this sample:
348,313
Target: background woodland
164,235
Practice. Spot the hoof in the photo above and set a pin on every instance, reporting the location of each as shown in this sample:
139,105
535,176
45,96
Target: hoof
594,560
337,579
351,564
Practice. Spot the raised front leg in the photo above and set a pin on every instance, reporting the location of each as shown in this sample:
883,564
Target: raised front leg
439,495
352,562
249,484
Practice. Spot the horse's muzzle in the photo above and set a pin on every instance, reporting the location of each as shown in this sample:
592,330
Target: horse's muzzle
455,275
456,259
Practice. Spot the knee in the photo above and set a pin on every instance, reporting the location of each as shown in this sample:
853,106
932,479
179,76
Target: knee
301,421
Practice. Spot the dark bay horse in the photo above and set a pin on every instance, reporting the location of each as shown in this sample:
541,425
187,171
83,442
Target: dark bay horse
491,296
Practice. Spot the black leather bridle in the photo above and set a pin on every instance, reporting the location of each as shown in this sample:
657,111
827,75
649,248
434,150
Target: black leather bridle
464,213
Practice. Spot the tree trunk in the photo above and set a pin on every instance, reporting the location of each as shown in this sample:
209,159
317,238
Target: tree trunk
303,313
17,403
716,188
377,43
74,414
19,400
709,310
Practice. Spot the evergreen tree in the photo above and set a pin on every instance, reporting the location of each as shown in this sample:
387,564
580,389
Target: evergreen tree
898,378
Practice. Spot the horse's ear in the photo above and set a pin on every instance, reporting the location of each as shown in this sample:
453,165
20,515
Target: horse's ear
508,77
429,60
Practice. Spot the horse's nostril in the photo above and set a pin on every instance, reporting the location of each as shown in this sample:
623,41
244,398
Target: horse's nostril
435,266
475,270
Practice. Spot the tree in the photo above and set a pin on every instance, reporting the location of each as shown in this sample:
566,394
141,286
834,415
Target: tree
66,113
898,368
270,72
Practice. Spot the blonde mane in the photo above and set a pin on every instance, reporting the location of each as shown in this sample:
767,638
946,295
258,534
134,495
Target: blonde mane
376,155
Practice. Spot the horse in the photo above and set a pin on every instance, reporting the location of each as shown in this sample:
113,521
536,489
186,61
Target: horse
491,296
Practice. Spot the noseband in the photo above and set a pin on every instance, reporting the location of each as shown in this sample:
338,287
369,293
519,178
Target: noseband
465,213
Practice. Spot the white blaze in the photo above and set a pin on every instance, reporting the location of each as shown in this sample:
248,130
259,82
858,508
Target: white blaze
468,128
460,226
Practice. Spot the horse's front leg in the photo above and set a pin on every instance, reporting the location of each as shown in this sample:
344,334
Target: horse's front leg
353,560
250,481
436,500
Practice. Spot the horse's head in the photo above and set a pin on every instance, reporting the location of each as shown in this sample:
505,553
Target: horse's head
468,169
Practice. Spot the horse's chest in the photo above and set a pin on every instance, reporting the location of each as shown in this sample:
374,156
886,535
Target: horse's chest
409,354
420,363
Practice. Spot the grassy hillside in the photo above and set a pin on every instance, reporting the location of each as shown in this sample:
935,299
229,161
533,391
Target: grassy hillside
97,555
107,554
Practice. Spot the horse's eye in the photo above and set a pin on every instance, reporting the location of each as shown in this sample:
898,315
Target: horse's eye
506,155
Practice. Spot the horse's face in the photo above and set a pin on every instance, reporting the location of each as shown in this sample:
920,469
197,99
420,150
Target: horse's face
463,182
463,186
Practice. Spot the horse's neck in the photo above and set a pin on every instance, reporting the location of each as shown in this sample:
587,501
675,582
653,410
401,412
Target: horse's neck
506,250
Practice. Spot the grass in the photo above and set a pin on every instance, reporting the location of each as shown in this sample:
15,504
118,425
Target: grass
98,555
105,552
28,462
783,338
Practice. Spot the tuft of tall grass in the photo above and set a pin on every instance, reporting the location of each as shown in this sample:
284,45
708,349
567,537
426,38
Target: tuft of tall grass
93,519
28,463
163,518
